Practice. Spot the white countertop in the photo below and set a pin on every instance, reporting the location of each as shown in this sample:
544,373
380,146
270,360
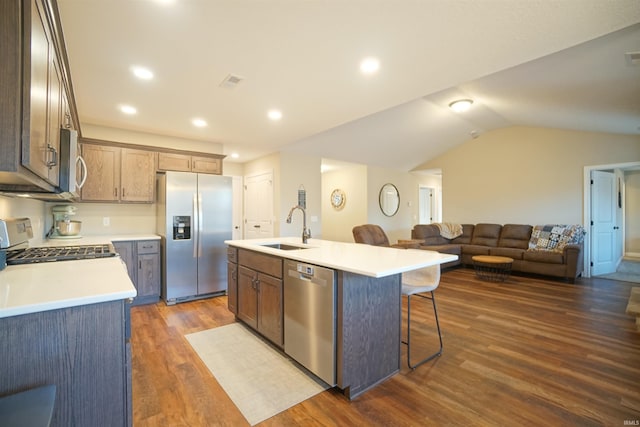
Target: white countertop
92,240
31,288
373,261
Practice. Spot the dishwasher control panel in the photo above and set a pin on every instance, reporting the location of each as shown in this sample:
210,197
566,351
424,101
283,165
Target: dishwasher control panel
305,269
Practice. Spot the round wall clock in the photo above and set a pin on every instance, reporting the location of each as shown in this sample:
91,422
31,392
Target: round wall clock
338,198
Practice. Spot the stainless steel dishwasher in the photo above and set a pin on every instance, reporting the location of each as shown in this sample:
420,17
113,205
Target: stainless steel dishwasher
310,318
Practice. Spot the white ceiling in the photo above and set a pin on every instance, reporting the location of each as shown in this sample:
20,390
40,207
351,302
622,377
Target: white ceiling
524,62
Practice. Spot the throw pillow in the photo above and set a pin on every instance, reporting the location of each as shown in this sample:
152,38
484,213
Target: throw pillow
554,237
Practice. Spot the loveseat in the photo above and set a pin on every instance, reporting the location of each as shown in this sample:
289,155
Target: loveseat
551,250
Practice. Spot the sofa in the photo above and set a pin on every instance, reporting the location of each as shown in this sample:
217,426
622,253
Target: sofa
550,250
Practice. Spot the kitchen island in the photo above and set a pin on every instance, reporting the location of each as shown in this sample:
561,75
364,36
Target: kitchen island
367,304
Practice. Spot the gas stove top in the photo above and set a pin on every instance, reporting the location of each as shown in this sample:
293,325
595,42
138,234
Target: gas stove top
58,253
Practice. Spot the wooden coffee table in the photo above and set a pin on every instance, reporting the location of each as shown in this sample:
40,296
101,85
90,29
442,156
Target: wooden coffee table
410,243
492,268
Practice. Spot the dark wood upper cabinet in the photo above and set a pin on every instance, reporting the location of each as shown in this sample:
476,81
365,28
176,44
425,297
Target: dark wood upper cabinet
37,97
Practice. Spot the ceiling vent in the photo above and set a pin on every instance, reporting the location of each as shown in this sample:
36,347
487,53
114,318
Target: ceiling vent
633,58
231,81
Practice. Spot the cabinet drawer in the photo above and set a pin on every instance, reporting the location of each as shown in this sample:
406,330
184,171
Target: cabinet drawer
232,254
264,263
148,247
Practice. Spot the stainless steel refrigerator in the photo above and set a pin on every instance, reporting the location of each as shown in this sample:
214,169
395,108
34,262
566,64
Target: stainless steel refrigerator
194,220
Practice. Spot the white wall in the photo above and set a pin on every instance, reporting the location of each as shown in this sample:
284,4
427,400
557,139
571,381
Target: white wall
525,175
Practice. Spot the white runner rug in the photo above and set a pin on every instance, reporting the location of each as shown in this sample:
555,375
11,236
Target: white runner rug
260,381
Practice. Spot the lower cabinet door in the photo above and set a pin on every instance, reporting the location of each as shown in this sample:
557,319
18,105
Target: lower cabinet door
247,296
270,308
148,275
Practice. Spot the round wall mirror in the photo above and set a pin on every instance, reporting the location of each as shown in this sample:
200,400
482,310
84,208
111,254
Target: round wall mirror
389,199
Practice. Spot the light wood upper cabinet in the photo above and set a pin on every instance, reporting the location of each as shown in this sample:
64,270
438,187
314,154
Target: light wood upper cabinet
103,173
206,165
118,174
188,163
137,175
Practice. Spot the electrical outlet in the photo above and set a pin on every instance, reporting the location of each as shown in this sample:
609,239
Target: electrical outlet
106,221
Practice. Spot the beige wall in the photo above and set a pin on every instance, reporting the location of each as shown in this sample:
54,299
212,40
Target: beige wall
632,212
296,170
125,218
337,224
362,186
17,207
149,139
525,175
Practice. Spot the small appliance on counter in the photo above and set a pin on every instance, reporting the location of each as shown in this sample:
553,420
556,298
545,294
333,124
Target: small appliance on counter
63,226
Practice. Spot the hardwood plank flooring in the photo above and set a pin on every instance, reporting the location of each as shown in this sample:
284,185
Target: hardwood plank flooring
526,352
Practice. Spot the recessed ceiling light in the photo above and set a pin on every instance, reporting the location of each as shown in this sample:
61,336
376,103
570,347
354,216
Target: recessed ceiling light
142,72
369,65
274,115
128,109
234,155
199,123
461,105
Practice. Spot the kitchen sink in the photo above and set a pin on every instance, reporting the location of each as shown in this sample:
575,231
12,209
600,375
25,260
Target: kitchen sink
284,246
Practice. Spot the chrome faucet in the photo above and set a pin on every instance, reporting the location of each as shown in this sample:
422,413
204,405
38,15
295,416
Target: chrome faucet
306,233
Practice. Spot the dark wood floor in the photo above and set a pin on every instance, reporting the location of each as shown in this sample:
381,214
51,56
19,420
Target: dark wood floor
527,352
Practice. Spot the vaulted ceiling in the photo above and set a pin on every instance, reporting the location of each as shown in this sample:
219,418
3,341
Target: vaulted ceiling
547,63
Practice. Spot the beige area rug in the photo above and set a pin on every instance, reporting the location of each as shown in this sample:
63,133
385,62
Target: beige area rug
259,380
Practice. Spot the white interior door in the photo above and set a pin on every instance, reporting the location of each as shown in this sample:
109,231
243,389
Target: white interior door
603,222
258,204
426,205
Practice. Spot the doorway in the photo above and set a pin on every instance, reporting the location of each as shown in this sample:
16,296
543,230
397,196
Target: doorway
425,212
605,213
258,205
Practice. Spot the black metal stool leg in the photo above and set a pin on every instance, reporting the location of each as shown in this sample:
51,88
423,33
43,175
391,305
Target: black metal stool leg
408,342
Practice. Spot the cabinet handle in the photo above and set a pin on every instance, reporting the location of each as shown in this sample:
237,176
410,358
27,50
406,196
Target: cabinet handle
140,264
54,156
123,192
115,192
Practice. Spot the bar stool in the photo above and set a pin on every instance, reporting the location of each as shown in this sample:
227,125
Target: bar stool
418,283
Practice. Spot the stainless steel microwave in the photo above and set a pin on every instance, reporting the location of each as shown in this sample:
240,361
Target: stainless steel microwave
73,169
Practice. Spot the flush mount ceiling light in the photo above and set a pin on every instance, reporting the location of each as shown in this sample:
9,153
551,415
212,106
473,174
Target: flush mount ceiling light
234,155
461,105
142,73
128,109
274,115
369,65
200,123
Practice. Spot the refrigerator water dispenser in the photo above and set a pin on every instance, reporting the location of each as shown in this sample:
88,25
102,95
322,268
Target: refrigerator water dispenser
181,227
